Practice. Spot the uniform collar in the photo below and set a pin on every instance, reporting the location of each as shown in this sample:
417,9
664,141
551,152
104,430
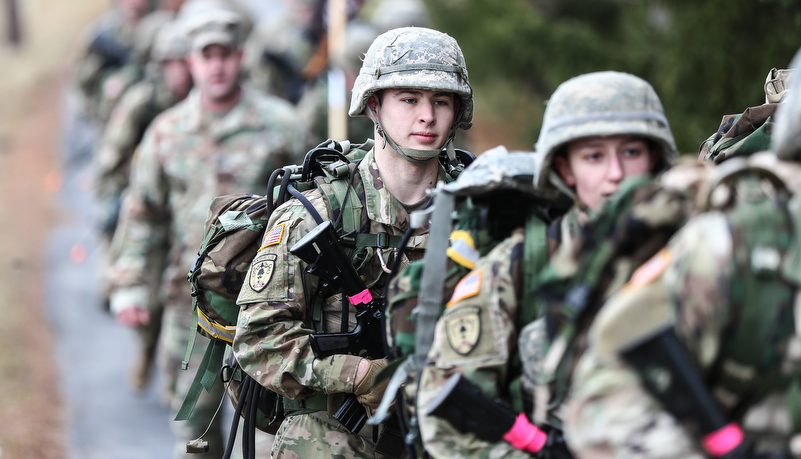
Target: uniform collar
381,206
218,126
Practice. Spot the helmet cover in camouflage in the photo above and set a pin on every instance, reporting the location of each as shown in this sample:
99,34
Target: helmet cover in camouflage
602,104
786,140
170,43
497,169
414,57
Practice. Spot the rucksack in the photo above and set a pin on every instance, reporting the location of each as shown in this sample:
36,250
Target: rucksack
492,197
617,246
233,231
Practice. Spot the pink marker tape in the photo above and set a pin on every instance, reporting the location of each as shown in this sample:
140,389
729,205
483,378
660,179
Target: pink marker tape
362,297
723,440
525,436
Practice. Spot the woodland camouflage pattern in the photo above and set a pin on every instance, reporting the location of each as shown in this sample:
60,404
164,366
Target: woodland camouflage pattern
272,335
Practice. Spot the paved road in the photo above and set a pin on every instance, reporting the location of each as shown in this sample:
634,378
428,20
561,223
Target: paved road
105,419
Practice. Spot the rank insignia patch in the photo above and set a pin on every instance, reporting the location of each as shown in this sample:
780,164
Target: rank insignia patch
464,329
261,271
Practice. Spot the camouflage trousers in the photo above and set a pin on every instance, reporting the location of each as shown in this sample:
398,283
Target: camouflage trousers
318,435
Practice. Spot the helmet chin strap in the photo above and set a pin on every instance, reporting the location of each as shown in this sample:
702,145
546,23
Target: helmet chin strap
413,155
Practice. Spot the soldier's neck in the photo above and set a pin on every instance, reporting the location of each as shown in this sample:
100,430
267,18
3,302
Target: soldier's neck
405,181
221,105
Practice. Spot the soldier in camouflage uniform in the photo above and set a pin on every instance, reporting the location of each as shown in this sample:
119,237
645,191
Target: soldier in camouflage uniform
413,85
167,85
598,129
221,139
725,295
108,48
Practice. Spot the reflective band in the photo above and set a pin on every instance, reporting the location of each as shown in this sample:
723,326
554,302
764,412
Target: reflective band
611,116
214,329
361,298
525,436
723,440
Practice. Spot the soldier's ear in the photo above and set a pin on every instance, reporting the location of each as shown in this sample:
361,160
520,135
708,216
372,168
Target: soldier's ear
564,170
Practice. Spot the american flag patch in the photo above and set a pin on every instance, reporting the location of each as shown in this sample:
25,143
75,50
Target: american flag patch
273,236
467,287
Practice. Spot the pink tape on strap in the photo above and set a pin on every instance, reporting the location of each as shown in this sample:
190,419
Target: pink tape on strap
363,297
723,440
525,436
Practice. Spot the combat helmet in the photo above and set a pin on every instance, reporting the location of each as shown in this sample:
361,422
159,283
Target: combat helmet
419,58
170,43
786,140
600,104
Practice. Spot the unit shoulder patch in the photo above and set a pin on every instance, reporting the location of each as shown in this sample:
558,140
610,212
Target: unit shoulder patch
463,327
261,271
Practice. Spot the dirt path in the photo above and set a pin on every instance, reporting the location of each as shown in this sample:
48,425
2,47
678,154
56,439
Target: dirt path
31,411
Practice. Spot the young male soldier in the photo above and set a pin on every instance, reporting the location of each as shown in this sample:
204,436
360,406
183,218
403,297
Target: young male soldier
221,139
598,129
165,86
413,85
723,300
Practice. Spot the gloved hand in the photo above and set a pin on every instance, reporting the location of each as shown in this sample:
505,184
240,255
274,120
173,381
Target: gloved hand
370,397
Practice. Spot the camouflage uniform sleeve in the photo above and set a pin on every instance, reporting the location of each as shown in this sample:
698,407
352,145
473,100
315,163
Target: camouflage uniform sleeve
272,341
120,139
609,413
144,221
476,337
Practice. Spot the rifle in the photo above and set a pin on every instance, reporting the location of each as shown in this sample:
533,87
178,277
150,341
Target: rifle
670,376
467,409
324,257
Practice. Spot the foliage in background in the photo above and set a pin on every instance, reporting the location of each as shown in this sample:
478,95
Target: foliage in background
705,58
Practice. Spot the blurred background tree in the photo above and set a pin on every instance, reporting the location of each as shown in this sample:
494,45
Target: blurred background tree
705,58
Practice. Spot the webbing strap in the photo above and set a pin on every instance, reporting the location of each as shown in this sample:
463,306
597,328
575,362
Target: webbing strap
535,255
430,306
204,378
317,402
190,346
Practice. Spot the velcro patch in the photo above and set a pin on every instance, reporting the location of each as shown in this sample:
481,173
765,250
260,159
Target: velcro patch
273,236
469,286
261,271
650,270
463,328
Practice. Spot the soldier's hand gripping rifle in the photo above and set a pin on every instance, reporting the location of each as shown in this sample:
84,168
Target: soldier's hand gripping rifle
468,410
324,257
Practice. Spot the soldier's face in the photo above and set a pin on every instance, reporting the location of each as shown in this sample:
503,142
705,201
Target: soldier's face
177,77
596,166
416,118
215,71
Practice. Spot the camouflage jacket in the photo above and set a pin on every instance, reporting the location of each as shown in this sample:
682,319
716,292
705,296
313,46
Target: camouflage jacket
107,48
122,134
272,334
187,157
477,336
697,284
